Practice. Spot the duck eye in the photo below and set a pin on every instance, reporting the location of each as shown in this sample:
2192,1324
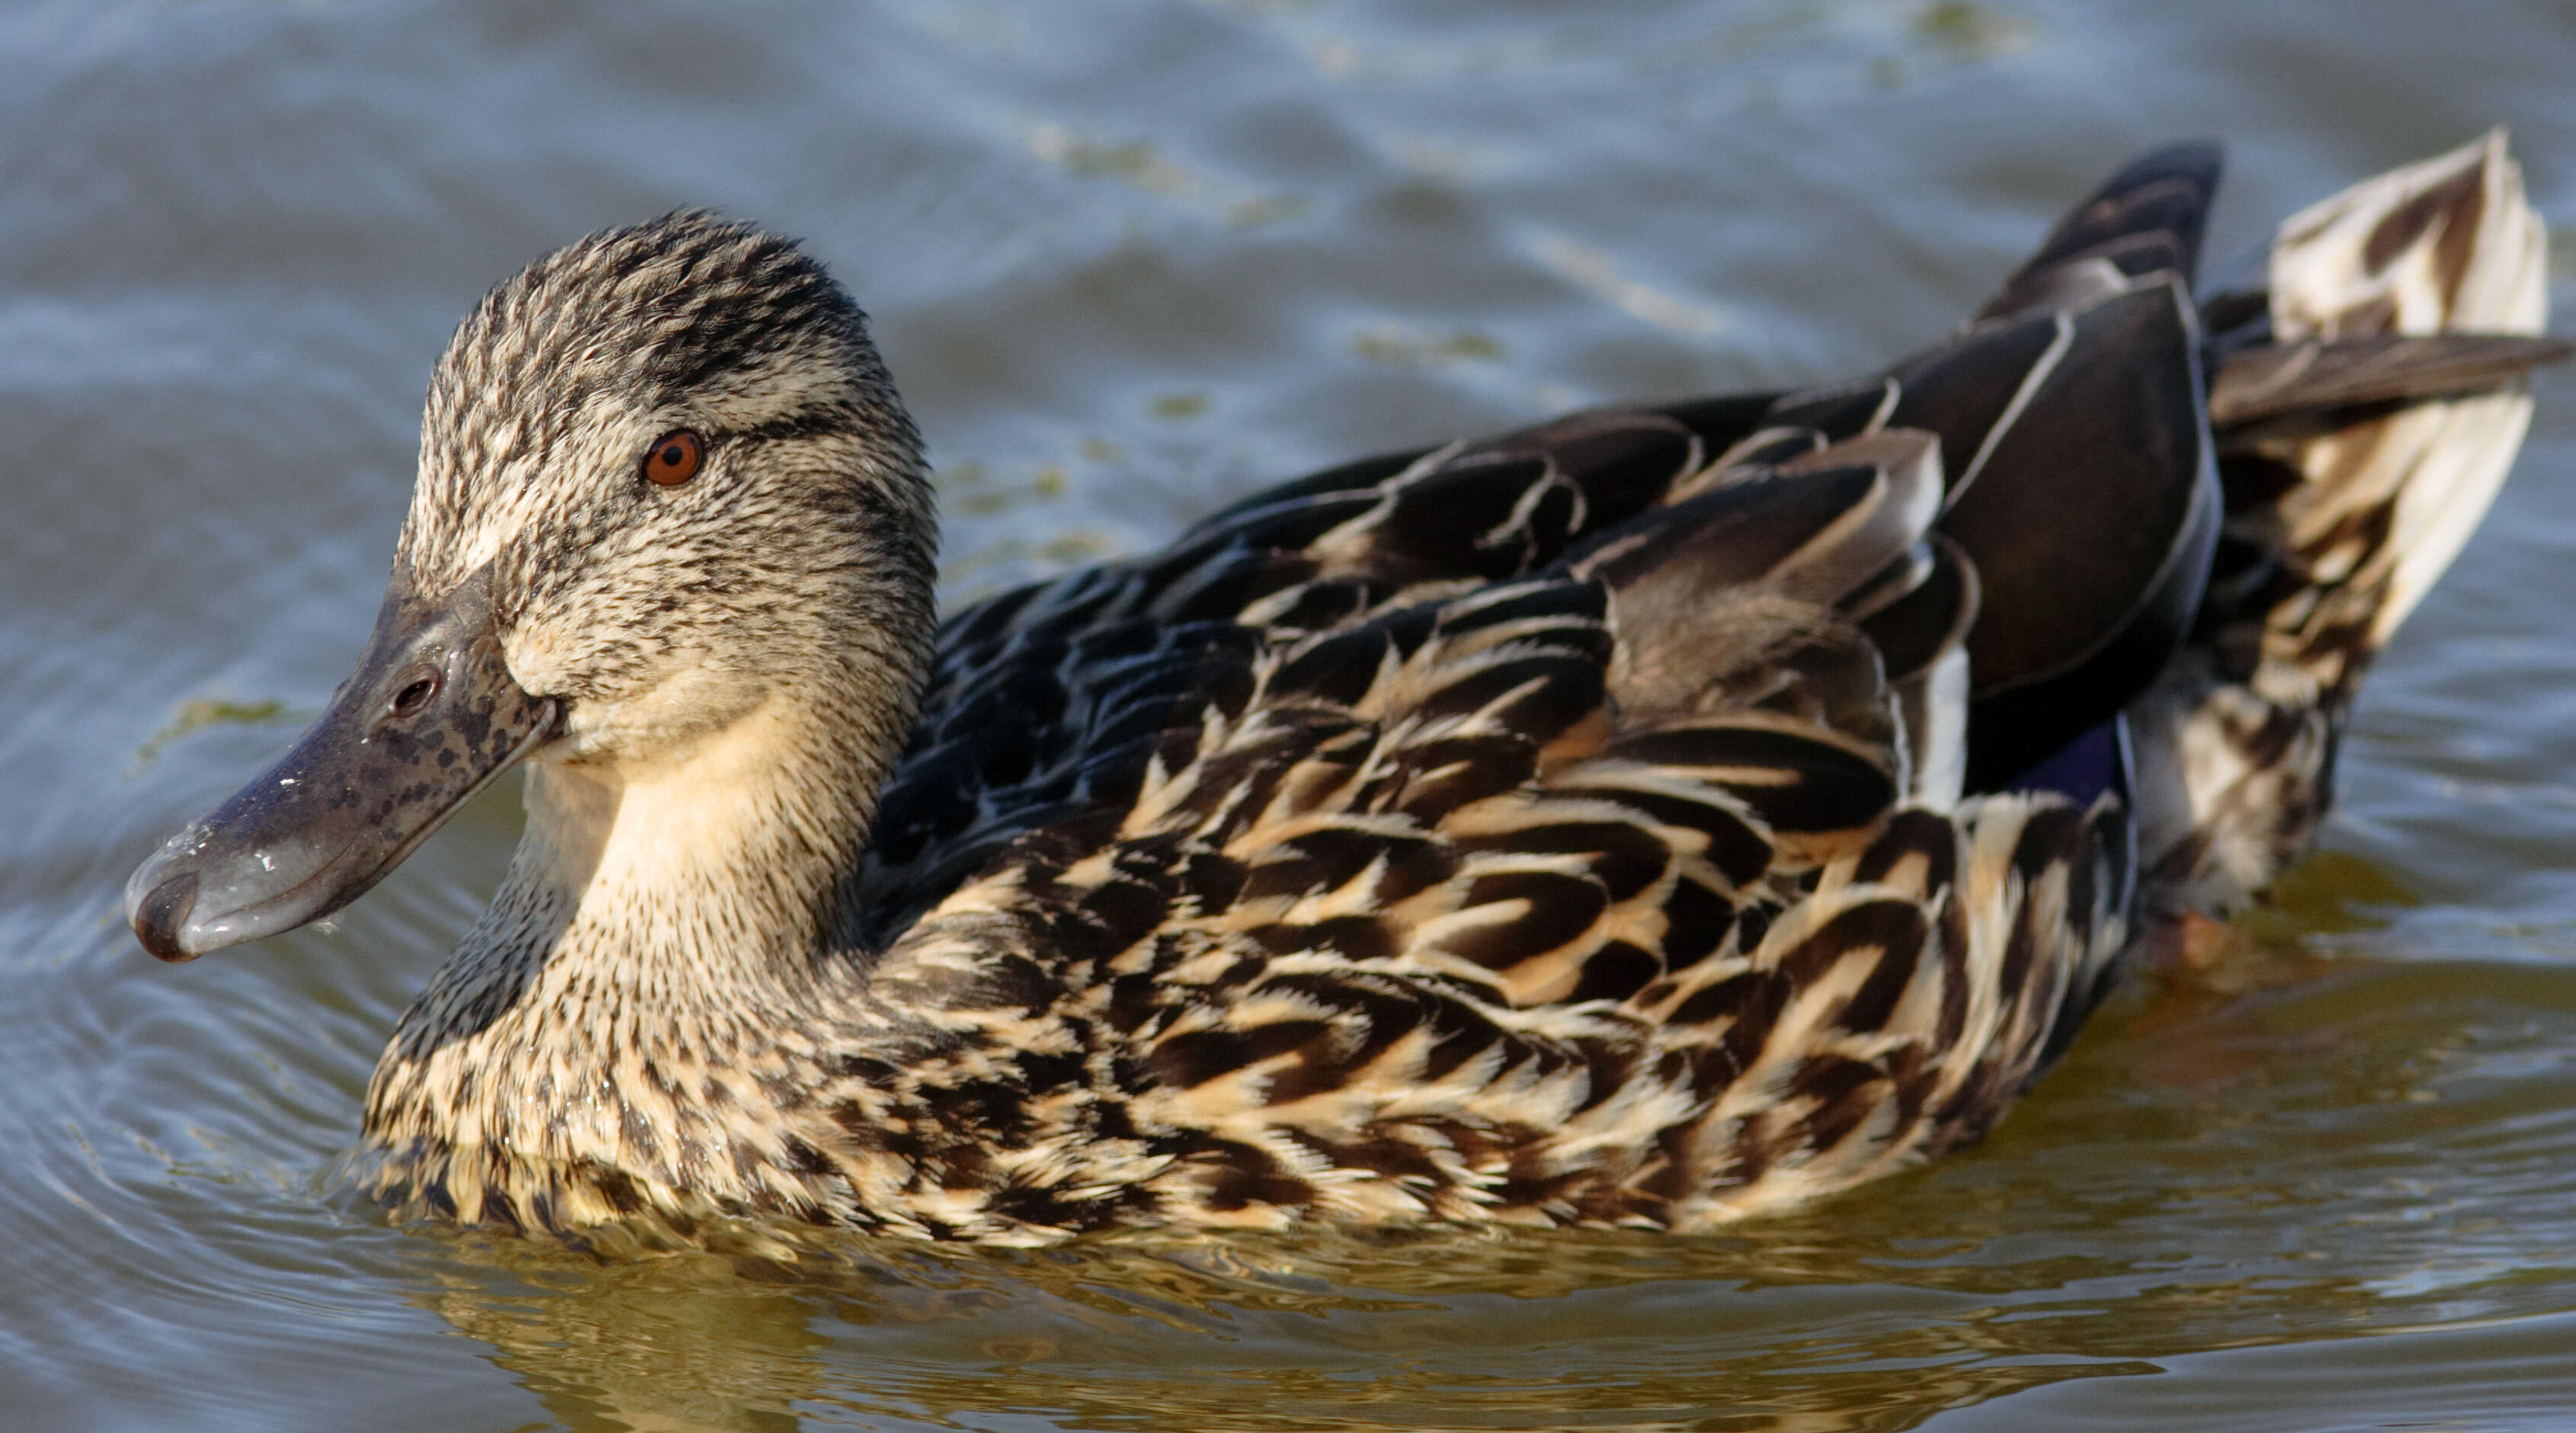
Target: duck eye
674,457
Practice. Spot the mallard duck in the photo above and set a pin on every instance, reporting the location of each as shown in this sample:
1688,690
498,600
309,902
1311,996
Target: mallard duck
1658,815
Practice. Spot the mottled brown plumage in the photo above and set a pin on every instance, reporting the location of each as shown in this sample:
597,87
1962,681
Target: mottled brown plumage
1647,818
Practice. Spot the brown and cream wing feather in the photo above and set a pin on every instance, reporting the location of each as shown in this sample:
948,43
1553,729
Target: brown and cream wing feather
1646,817
1605,894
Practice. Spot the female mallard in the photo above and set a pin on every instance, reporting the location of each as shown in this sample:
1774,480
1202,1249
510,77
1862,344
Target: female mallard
1653,816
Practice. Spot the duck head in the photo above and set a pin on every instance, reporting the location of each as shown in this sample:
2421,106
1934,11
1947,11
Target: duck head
664,478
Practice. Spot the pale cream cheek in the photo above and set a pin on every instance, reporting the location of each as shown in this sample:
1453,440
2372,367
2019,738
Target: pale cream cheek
626,831
659,721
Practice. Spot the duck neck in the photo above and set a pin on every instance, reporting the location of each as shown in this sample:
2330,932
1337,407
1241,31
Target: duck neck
666,928
708,882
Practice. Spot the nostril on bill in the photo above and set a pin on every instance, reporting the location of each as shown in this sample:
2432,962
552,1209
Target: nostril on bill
413,697
159,916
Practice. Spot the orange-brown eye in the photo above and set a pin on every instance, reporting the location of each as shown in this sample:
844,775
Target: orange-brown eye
674,457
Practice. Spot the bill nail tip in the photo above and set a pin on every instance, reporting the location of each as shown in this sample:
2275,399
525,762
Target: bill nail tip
162,915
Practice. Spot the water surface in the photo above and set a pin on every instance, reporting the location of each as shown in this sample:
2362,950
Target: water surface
1130,260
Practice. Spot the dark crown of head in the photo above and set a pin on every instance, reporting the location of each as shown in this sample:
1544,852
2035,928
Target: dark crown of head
664,306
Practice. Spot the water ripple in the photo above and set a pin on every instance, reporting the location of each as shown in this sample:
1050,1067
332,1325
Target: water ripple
1130,260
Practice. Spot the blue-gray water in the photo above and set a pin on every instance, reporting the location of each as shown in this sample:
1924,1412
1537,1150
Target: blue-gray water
1128,260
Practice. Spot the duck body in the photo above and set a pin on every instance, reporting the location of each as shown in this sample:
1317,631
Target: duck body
1651,817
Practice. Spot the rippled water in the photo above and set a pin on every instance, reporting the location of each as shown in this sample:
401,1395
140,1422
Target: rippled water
1130,259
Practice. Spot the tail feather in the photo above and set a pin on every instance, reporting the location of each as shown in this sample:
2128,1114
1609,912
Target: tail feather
2447,246
2348,494
2298,389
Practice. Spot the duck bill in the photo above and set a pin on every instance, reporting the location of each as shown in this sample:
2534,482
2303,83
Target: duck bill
430,717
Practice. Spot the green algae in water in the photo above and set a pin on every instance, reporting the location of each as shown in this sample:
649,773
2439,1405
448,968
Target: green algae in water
197,715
